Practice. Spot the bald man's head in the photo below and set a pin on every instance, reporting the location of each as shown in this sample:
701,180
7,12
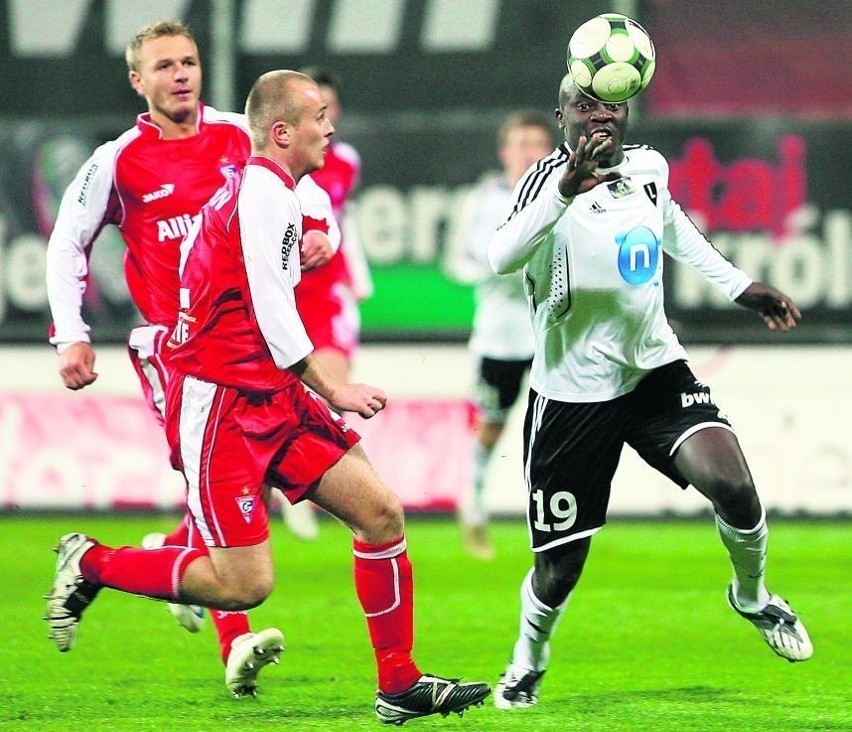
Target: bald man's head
272,98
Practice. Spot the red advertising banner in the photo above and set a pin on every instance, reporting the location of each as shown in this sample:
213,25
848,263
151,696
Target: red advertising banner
61,451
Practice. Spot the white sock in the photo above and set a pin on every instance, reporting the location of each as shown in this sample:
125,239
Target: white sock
747,551
538,623
473,511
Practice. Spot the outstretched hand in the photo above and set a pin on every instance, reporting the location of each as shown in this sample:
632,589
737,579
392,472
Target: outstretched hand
364,399
779,312
581,172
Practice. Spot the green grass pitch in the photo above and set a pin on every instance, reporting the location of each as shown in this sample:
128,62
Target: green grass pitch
647,642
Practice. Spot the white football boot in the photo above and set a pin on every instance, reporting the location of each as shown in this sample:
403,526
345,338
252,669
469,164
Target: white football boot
250,652
780,627
518,688
70,594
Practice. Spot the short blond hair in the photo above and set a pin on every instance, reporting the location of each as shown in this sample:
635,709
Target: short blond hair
524,118
158,29
270,99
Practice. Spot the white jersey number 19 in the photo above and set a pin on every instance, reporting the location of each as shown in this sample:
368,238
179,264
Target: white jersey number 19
561,511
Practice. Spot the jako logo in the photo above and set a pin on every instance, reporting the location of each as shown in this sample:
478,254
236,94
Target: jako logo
699,397
165,190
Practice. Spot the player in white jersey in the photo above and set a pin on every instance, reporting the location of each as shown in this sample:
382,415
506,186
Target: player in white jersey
589,225
501,338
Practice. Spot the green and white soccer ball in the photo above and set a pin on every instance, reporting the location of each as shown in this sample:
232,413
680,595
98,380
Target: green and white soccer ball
611,57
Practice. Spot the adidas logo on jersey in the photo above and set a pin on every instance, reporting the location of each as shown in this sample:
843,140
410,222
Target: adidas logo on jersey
165,190
596,208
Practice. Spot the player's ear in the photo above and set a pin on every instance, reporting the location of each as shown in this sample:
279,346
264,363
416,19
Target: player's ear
136,82
281,133
560,118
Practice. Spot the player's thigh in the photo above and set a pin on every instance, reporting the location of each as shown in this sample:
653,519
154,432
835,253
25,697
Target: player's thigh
352,491
247,570
676,427
571,452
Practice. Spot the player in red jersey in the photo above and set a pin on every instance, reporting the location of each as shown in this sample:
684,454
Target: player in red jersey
239,417
151,182
327,297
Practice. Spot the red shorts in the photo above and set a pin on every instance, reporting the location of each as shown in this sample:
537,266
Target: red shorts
328,308
229,443
149,360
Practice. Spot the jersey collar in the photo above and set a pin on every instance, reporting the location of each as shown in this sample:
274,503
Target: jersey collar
274,168
151,129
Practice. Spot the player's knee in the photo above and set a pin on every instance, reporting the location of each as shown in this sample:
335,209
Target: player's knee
558,571
248,595
385,520
732,492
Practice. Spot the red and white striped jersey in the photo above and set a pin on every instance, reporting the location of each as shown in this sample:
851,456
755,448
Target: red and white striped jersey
151,188
238,325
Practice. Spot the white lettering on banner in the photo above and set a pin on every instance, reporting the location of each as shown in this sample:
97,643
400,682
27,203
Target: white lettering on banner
125,17
44,27
451,25
270,26
22,267
51,28
413,226
811,270
359,27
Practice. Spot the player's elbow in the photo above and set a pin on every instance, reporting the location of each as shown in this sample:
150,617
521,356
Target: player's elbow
501,263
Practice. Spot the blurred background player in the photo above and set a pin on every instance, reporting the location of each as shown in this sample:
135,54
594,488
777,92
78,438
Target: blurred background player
143,183
328,295
502,337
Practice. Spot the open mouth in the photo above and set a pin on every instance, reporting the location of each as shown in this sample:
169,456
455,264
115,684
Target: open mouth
601,132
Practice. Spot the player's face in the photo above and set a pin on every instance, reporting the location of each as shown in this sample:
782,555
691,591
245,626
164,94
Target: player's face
522,147
311,137
332,101
580,115
169,77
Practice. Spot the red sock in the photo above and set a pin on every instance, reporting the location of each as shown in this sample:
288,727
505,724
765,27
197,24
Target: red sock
180,536
151,572
229,625
383,582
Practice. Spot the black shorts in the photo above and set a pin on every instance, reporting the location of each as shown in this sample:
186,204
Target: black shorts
498,386
571,450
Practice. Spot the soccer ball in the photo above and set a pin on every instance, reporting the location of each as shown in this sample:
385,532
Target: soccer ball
611,57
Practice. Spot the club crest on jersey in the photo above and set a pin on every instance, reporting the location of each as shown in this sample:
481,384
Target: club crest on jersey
287,244
246,506
651,192
621,187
